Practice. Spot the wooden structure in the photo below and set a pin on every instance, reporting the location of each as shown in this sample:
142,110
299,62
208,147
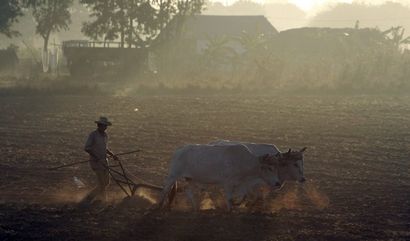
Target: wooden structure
8,60
119,175
201,29
96,58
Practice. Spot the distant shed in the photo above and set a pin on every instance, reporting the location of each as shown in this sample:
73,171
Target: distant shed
335,42
8,59
203,28
217,25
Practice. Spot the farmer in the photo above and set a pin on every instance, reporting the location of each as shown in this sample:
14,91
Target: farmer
96,147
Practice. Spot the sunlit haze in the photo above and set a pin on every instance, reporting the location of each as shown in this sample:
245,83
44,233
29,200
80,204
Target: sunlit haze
205,119
311,6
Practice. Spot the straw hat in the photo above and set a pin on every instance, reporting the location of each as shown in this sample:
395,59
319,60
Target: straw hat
104,121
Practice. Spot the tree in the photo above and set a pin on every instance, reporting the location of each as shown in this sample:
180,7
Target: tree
105,25
247,7
256,58
218,53
51,16
396,36
137,22
357,24
10,10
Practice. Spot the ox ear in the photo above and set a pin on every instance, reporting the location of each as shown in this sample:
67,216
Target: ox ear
280,158
303,149
272,160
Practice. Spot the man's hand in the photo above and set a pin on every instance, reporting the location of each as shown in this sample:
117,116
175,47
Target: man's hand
94,157
112,155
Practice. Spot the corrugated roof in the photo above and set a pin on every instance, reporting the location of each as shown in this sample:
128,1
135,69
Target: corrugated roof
217,25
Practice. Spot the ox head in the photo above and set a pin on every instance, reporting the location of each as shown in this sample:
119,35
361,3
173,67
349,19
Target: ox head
269,170
290,165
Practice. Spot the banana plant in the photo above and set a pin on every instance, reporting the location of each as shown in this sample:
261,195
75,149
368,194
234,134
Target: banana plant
218,51
396,36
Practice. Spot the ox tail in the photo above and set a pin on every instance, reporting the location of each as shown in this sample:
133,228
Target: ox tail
172,194
168,192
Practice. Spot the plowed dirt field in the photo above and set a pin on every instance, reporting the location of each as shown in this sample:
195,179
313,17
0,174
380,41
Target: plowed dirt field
357,165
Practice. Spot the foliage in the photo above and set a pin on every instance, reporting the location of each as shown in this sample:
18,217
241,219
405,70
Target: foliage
396,36
383,15
104,23
51,16
350,59
135,22
10,10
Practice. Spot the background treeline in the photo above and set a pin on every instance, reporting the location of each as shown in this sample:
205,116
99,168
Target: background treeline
30,27
282,16
131,22
363,54
350,59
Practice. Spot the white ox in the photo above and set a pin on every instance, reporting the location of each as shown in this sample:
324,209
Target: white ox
224,165
290,166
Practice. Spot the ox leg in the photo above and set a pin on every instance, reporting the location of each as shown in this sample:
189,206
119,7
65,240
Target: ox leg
190,193
240,195
228,191
216,198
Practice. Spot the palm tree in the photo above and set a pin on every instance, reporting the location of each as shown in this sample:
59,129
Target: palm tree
218,51
257,59
396,36
252,42
217,59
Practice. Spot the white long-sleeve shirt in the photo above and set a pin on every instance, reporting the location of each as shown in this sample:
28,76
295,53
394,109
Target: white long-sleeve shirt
97,145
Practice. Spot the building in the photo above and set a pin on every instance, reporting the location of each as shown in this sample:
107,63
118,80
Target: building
202,29
8,60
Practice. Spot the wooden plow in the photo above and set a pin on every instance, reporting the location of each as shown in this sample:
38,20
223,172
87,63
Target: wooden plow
127,185
118,175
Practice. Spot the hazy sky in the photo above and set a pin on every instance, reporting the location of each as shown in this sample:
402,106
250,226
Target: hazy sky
311,6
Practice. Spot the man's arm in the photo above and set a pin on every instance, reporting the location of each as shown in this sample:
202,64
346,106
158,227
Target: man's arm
91,154
88,146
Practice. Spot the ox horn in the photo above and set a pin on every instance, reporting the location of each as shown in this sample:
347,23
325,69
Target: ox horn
290,150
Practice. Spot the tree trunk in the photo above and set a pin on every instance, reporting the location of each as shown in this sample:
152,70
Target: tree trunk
45,46
45,52
122,36
122,22
130,33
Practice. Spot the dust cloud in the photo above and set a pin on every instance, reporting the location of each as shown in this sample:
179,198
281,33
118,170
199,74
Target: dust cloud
149,195
297,197
207,203
319,199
